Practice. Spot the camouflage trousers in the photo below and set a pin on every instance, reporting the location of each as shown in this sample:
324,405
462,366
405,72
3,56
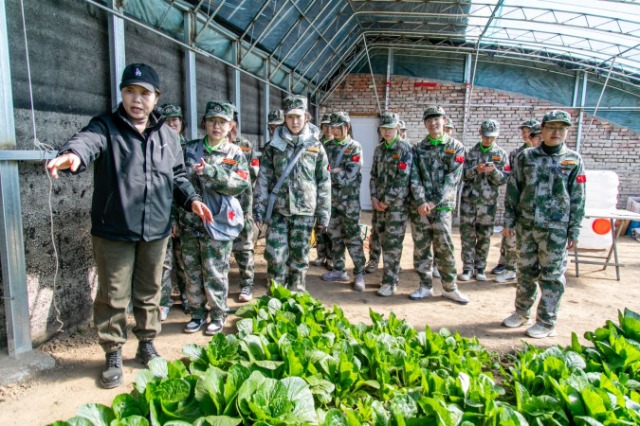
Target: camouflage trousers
287,250
434,228
391,226
476,227
207,267
508,253
542,262
344,232
243,251
374,239
173,259
323,245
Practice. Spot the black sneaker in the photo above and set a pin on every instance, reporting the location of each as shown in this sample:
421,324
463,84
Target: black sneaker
194,325
499,269
111,377
146,352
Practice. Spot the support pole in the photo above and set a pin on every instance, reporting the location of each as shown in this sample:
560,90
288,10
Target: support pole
236,98
266,103
117,60
190,94
583,99
387,84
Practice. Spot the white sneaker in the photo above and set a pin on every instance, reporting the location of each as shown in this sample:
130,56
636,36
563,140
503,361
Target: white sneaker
358,283
334,276
435,273
456,296
480,275
245,294
516,320
386,290
421,293
466,275
506,276
539,331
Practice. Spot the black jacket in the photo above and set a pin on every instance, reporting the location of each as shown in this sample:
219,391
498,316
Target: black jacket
135,176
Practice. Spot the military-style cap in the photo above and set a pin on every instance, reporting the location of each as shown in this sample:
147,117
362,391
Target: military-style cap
432,110
529,123
490,128
389,120
140,75
339,118
170,110
402,125
326,118
558,116
294,104
535,130
448,124
276,117
220,109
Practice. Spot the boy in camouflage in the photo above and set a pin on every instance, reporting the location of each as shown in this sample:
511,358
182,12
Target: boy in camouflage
323,242
303,200
437,168
484,174
389,186
345,161
275,118
545,204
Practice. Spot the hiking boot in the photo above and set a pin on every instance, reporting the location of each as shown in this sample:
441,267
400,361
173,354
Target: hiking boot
245,294
465,275
386,290
329,265
214,327
319,261
507,276
111,377
334,276
499,269
146,352
435,273
194,325
358,283
421,293
480,276
164,312
516,320
539,331
456,296
371,266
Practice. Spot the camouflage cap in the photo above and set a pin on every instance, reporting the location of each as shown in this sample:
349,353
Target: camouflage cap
529,123
293,103
490,128
275,117
558,116
339,118
432,110
389,120
326,118
536,129
220,109
170,110
448,124
402,125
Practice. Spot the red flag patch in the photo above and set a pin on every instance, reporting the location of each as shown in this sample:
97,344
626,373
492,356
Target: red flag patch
402,166
255,162
244,175
355,159
507,168
581,178
459,159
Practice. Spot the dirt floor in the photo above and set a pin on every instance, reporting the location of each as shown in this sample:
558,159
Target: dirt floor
588,302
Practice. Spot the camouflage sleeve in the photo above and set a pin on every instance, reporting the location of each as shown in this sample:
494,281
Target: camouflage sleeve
469,170
323,179
499,176
397,188
261,189
226,178
254,165
373,190
577,182
452,177
417,185
349,172
512,196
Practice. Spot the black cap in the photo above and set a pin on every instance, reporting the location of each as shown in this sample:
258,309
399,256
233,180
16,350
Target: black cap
140,75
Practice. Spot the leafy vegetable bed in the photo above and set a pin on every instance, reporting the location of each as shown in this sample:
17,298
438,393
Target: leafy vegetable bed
293,361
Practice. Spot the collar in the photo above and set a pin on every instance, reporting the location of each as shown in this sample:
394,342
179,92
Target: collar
210,148
435,142
485,149
390,145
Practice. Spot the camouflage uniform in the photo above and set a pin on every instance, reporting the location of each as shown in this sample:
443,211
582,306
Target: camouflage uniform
303,200
479,203
545,204
207,260
323,242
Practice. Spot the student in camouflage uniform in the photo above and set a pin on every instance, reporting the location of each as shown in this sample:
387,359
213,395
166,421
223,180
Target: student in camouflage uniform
449,128
483,175
545,204
275,119
222,167
243,247
323,242
437,168
345,161
389,187
508,258
173,258
303,200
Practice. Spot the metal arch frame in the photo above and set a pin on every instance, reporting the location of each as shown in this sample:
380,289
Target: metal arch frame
286,36
272,24
254,20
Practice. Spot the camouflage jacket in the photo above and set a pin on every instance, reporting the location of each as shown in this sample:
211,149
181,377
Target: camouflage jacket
483,188
226,172
391,174
546,191
346,176
246,197
436,173
513,154
307,190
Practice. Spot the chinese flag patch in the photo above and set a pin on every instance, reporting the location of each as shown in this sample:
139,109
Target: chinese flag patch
402,166
244,175
581,178
459,159
507,168
355,159
255,162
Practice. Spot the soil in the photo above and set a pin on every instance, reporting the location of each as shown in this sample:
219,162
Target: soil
588,302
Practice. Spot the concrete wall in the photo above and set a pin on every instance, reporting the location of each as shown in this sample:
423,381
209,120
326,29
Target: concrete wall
608,146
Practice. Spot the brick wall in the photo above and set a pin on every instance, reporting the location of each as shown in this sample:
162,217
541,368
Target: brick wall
607,146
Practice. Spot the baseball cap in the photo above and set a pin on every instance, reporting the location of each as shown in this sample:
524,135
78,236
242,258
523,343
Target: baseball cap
402,125
448,124
276,117
432,110
170,110
535,129
490,128
529,123
140,75
326,118
557,116
293,104
389,120
219,109
340,118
